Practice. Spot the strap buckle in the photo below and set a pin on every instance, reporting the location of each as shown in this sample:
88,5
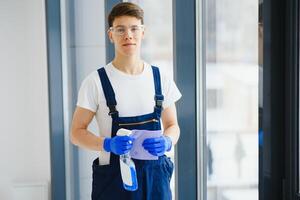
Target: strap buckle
159,100
112,110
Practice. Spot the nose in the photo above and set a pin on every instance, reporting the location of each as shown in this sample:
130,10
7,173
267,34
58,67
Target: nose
128,34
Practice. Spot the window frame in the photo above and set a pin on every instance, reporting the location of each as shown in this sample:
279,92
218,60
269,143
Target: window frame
185,73
292,188
279,154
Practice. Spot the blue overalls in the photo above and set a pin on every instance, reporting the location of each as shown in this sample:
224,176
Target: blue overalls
153,175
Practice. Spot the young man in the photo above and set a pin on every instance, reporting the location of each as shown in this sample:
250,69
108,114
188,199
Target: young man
127,93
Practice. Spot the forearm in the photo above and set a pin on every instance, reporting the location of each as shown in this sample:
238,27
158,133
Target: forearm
85,139
173,132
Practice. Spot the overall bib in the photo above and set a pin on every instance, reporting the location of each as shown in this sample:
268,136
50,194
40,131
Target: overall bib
153,176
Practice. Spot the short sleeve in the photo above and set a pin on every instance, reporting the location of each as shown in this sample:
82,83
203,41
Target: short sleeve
88,94
170,91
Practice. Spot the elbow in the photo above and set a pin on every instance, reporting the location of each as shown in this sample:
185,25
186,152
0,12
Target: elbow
178,130
73,138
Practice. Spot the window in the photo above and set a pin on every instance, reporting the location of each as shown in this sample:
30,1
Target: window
231,99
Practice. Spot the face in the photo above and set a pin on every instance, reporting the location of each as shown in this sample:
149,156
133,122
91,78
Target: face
126,34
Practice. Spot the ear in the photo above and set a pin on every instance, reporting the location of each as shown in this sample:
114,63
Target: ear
143,33
109,33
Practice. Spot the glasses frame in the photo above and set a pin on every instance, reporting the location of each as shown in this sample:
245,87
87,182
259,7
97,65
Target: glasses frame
141,26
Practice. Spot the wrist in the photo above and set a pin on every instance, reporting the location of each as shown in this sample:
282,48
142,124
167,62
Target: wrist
106,144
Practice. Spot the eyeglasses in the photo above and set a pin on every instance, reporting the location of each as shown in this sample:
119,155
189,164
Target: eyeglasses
121,30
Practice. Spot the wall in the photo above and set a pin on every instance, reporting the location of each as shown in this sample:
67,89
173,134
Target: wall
24,143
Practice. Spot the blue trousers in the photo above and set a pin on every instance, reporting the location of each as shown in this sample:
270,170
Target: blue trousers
153,181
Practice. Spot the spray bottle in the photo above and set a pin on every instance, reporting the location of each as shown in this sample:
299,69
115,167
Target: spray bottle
127,166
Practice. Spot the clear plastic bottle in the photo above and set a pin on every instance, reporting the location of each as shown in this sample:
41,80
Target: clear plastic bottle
127,166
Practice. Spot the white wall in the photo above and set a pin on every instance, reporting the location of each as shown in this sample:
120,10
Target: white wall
24,143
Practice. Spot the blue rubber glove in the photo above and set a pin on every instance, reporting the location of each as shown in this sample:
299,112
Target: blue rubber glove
158,146
118,145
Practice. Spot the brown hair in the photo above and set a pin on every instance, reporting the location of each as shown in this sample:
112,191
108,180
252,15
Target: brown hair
125,9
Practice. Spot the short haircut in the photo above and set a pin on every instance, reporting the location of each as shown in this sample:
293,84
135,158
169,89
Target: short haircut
125,9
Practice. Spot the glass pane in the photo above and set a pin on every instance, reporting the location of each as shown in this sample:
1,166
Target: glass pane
83,49
157,47
232,99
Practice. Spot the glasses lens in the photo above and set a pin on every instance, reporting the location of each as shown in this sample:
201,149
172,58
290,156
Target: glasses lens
133,29
120,30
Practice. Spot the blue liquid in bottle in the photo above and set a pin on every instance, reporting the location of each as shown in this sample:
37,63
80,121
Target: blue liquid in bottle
127,167
128,173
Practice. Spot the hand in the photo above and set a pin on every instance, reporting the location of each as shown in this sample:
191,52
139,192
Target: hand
118,145
157,146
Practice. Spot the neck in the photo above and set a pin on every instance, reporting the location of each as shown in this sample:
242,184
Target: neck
129,65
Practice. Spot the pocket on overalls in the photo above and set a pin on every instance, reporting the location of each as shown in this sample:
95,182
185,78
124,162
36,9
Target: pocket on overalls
161,177
169,167
103,178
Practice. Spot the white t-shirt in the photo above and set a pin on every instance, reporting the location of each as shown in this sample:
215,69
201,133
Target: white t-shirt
134,95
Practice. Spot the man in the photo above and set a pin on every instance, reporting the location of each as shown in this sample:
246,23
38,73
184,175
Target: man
127,93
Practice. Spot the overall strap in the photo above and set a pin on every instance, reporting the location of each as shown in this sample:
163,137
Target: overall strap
159,98
108,93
